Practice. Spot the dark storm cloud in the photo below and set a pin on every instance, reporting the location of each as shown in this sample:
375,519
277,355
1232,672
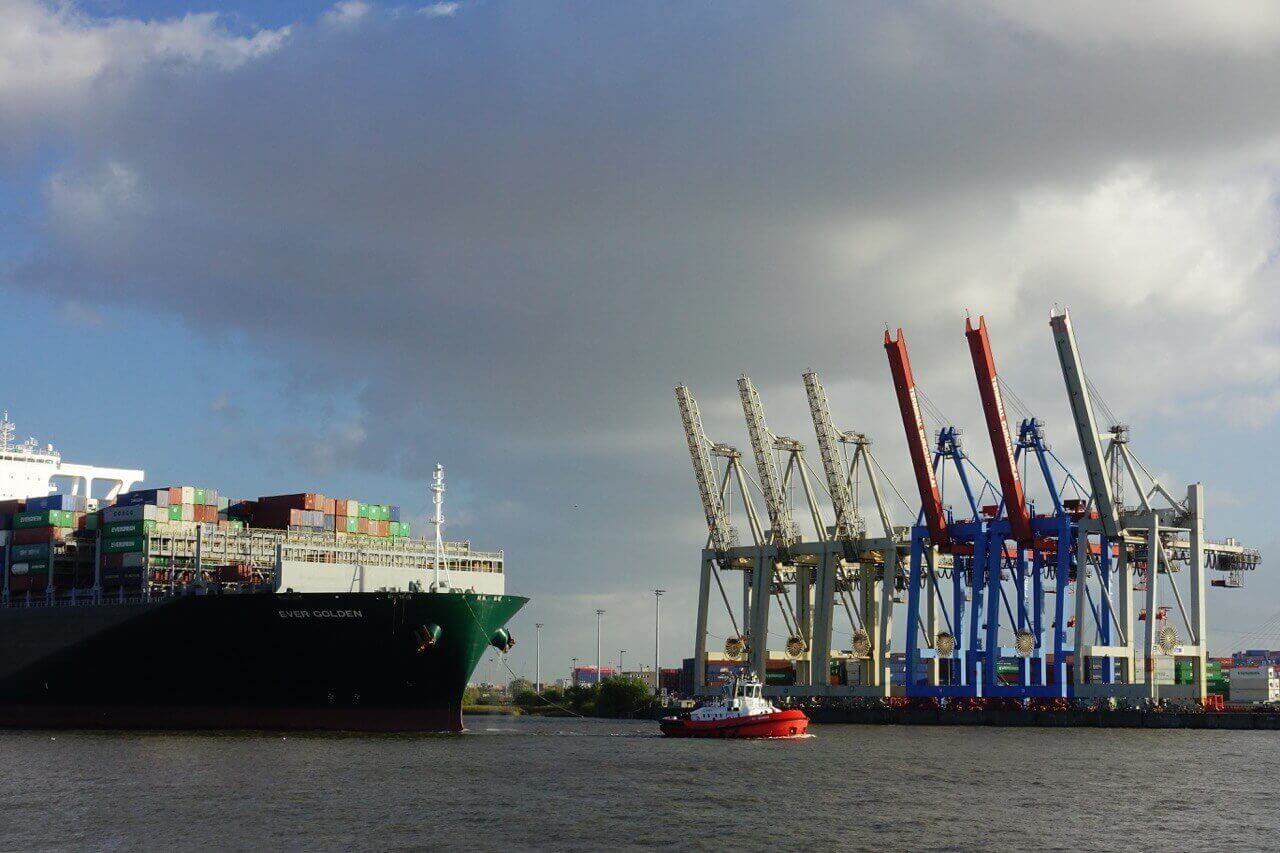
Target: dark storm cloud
516,227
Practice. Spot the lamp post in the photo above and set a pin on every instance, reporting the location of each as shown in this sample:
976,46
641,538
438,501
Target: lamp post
537,678
599,613
621,652
657,672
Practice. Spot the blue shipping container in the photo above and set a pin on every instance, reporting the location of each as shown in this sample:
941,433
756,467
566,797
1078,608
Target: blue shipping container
71,503
395,513
155,497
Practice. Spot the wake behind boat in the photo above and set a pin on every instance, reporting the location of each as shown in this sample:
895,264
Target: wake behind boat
741,713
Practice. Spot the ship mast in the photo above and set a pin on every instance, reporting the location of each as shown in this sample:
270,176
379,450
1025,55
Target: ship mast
6,433
437,498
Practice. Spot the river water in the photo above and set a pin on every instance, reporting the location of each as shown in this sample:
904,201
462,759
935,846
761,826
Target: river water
554,784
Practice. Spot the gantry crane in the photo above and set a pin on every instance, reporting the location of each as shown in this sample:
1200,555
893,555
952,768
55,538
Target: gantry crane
721,540
858,566
1012,534
1150,545
776,566
917,440
940,538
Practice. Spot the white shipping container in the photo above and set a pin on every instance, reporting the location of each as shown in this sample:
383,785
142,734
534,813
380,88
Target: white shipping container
188,495
188,510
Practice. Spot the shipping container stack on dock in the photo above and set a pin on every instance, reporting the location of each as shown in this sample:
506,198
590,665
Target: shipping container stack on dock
162,539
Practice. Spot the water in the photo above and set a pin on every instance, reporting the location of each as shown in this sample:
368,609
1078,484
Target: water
519,783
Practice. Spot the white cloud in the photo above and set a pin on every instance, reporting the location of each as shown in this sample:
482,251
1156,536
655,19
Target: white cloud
1243,25
439,10
49,53
348,13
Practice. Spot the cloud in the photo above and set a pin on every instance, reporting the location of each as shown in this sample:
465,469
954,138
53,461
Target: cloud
346,14
439,10
55,59
1233,25
514,234
76,313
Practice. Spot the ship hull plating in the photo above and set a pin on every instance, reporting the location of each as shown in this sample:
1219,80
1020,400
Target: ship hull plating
310,661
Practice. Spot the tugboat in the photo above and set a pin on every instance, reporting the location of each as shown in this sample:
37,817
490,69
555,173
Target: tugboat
741,713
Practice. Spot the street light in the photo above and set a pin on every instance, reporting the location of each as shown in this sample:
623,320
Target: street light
599,613
621,652
537,685
657,673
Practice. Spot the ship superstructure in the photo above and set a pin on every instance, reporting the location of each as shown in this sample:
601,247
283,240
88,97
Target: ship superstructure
28,469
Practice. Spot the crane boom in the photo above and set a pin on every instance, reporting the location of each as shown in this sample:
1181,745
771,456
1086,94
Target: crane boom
1086,425
703,470
917,440
832,464
770,479
984,366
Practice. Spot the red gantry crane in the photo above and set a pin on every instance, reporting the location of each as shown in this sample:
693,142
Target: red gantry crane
984,366
917,440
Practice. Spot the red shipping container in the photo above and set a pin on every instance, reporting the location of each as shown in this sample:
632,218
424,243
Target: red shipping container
175,495
235,573
28,583
36,535
363,525
276,517
330,506
305,500
12,506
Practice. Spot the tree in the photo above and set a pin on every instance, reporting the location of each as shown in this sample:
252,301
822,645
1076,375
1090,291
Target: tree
581,698
621,697
523,693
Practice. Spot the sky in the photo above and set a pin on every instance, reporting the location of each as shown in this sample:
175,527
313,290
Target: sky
294,246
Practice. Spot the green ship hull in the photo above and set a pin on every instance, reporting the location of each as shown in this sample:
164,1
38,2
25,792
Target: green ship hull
375,661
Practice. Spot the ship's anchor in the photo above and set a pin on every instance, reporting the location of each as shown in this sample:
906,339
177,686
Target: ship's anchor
427,636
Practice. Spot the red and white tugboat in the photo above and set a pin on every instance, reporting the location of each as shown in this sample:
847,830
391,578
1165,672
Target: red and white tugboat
741,713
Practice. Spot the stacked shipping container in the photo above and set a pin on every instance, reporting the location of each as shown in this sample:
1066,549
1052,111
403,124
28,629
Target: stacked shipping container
53,540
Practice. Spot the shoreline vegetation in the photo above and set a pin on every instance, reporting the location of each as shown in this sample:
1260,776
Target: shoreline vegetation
616,697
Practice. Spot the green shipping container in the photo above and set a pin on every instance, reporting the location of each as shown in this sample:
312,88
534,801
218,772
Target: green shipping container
201,495
128,528
48,518
404,528
23,553
364,511
353,525
175,512
393,528
124,545
91,522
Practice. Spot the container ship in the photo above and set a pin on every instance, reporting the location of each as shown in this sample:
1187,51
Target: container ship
179,607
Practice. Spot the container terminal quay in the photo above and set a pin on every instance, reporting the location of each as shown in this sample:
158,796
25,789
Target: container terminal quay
992,607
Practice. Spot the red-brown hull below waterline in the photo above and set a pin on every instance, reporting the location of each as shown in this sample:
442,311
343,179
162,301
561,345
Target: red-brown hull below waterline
123,717
789,723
